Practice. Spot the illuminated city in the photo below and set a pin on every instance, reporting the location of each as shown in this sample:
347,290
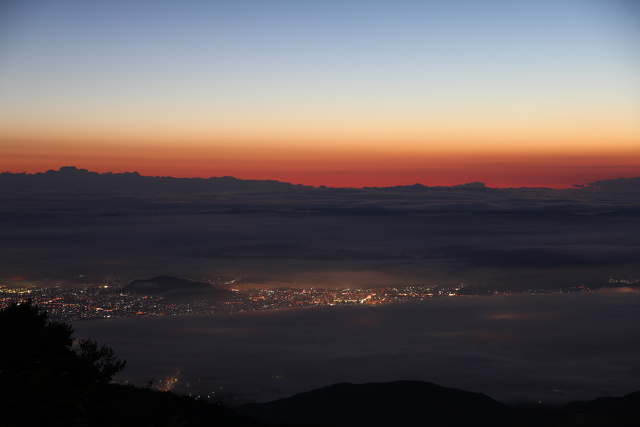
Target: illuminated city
107,301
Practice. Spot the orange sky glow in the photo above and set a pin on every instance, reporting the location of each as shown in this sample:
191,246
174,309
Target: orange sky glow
352,165
426,92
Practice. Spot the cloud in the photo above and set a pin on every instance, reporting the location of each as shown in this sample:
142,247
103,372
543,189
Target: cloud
277,233
620,184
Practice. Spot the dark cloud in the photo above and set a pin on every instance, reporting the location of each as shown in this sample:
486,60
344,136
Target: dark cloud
60,224
620,184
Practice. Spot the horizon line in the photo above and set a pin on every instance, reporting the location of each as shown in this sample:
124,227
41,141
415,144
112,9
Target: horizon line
477,184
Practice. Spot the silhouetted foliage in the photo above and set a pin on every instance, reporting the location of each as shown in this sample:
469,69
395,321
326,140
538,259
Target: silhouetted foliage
36,348
47,378
45,374
32,344
101,364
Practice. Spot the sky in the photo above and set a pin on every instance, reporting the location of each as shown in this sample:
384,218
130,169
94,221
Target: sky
337,93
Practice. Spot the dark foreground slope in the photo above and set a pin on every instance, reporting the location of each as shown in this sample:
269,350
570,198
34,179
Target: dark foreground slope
118,405
416,403
405,403
610,411
49,378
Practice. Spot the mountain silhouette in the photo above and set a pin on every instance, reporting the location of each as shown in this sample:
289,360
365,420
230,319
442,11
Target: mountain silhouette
162,284
71,178
401,403
628,404
418,403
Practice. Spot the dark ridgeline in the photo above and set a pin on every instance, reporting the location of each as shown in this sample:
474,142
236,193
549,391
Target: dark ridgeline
176,290
240,196
417,404
402,403
163,284
231,195
71,178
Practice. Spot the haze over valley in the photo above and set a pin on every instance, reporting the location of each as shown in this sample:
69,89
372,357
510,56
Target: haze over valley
78,227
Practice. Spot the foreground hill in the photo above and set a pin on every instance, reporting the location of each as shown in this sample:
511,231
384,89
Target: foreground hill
70,178
402,403
416,403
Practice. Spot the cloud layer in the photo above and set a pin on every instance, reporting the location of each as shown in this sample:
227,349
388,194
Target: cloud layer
120,227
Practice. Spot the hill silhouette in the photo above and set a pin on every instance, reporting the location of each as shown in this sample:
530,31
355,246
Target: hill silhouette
418,403
401,403
163,284
72,178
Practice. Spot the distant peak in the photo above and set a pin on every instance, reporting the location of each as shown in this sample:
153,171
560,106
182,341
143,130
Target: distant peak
162,284
68,170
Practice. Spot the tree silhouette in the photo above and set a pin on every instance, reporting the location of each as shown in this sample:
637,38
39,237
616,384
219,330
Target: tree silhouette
47,378
45,374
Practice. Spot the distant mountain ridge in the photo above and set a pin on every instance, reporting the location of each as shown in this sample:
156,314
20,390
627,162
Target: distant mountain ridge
400,403
162,284
70,190
72,178
419,403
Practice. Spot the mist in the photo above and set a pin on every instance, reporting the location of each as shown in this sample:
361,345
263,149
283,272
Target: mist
550,348
114,228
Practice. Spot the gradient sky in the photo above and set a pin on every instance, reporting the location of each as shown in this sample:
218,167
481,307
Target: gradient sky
341,93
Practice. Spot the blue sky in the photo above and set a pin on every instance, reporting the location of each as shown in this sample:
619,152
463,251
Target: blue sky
359,74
